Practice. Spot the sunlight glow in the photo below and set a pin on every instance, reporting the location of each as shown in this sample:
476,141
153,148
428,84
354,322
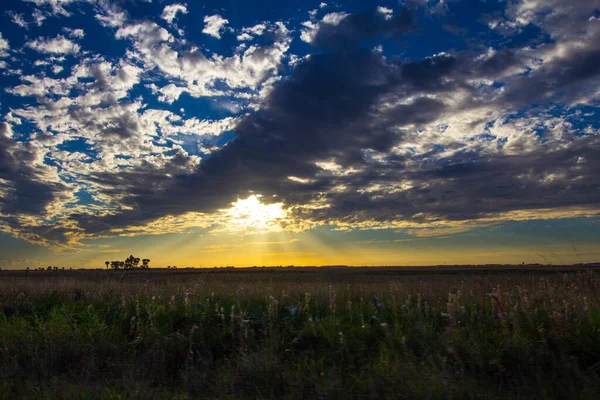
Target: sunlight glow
253,216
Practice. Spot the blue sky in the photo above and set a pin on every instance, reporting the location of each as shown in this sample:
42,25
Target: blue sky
295,125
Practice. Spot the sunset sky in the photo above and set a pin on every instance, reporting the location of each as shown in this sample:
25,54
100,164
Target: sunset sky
243,133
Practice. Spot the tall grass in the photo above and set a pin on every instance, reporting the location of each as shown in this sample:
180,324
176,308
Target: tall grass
292,334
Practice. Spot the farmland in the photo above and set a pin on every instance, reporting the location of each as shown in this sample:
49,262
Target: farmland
435,332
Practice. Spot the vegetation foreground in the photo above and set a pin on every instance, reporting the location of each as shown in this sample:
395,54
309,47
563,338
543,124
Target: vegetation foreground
300,333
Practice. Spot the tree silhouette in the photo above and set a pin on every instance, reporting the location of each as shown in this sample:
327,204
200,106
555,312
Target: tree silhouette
107,263
130,263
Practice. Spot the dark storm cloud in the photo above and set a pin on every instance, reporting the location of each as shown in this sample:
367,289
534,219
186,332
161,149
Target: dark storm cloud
367,25
469,186
322,111
573,70
27,189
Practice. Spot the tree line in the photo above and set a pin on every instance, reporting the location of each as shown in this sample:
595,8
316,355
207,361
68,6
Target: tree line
130,262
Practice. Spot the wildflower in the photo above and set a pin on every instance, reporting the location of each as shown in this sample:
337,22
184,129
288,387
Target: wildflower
294,310
376,303
332,304
384,325
273,307
306,301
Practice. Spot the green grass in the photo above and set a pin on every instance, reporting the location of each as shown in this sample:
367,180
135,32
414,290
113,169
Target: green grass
336,333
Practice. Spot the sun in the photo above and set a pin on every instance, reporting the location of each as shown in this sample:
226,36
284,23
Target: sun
251,215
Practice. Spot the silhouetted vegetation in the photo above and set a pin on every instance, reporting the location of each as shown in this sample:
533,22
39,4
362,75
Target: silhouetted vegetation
130,263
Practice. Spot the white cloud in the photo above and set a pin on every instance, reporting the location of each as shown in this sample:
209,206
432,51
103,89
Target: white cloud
74,33
110,15
170,12
214,25
248,68
18,19
57,7
167,94
57,45
308,33
560,18
387,12
146,33
244,36
250,32
4,46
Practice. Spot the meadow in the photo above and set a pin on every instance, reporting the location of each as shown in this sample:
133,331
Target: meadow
301,333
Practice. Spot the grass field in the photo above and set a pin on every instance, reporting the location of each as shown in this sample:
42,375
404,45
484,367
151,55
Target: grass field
497,333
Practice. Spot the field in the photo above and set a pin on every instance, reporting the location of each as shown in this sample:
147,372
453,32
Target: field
494,333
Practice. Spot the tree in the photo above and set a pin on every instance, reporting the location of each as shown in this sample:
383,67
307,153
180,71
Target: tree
107,263
130,262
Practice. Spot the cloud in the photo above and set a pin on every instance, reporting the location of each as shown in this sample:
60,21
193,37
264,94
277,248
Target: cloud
249,33
214,25
4,46
170,12
310,28
347,137
560,18
387,12
109,15
74,33
57,45
374,143
195,73
30,189
341,31
18,19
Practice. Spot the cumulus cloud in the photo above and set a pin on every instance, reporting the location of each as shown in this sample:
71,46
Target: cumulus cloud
340,30
170,12
18,19
74,33
4,46
558,17
109,15
57,45
251,32
197,74
55,8
30,189
214,25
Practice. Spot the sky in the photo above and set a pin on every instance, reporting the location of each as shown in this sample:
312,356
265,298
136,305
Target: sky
213,133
